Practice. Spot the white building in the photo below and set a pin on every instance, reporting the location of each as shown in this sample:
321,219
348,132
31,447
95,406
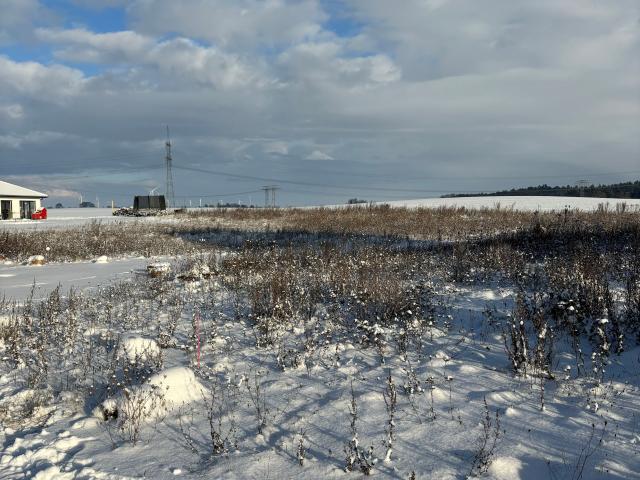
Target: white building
18,202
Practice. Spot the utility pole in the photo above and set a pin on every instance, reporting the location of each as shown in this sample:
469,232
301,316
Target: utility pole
168,191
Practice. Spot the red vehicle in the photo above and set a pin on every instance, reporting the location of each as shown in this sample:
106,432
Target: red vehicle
39,214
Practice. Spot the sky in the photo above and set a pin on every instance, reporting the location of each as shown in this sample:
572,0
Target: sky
328,99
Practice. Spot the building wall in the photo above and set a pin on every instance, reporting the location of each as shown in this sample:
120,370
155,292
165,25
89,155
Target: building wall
15,205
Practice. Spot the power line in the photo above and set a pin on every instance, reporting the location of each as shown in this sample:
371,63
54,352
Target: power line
348,188
305,184
218,195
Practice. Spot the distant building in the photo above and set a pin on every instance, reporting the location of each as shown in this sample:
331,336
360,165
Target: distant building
149,202
18,202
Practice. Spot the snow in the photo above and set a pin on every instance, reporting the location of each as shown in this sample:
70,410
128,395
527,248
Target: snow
71,217
5,320
161,394
134,348
158,268
36,260
520,203
17,281
465,365
464,372
178,385
506,468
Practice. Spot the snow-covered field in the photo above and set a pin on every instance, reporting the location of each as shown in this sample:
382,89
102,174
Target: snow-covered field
542,204
298,362
438,426
17,280
69,217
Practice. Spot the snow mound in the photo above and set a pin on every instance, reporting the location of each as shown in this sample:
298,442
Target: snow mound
163,392
179,385
101,259
137,348
506,468
36,260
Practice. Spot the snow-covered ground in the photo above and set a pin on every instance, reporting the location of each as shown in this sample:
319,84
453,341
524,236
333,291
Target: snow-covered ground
17,280
67,217
438,427
195,352
305,402
518,203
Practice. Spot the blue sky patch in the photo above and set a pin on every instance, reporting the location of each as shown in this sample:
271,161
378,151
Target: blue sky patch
99,20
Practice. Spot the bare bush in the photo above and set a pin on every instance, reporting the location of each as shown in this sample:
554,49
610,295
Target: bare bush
486,443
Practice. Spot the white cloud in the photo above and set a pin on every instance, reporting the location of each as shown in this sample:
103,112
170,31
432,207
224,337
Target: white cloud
17,18
85,46
177,58
460,89
209,66
276,148
478,37
232,24
59,192
327,64
51,83
318,155
13,111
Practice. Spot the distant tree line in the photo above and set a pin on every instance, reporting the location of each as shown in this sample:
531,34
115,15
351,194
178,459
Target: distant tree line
616,190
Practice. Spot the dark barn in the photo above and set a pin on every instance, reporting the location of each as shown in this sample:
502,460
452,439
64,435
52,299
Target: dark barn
149,202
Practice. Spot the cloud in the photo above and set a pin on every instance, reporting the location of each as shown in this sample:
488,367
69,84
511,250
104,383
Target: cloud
85,46
232,24
33,79
12,112
18,141
433,40
177,58
17,19
328,63
276,148
318,155
462,90
60,192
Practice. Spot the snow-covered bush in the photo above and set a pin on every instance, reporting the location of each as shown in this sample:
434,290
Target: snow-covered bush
134,407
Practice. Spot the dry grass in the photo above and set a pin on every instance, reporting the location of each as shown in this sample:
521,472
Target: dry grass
193,231
444,223
93,240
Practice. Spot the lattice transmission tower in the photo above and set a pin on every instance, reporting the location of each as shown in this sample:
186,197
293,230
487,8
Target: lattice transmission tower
168,190
270,195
